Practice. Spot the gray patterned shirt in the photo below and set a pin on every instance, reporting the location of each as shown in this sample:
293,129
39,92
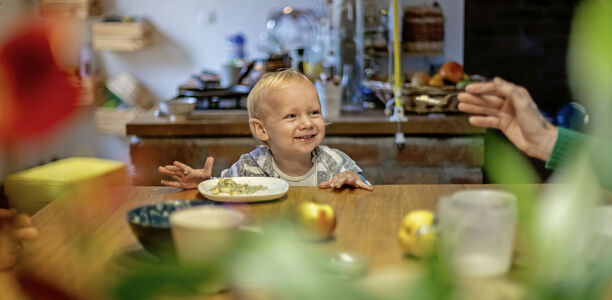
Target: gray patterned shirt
259,163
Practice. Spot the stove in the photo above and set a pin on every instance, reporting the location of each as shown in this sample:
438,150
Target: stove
210,95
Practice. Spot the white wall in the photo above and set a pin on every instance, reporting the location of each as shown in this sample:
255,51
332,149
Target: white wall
190,36
453,28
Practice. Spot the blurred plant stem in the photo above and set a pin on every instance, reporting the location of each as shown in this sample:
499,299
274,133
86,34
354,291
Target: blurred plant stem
511,169
436,283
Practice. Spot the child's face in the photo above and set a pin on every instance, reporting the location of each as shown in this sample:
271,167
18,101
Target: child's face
293,120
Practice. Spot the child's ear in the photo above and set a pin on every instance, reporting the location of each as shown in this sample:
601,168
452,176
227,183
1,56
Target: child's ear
258,129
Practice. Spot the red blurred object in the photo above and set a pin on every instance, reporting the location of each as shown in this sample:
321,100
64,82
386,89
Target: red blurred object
452,71
36,287
35,95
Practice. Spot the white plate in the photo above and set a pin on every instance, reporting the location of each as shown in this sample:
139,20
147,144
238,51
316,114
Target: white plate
275,188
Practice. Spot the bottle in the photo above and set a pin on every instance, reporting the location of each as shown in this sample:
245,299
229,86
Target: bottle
236,52
297,61
347,91
351,96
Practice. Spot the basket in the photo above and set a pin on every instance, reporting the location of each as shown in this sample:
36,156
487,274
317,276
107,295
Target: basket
131,91
423,29
420,100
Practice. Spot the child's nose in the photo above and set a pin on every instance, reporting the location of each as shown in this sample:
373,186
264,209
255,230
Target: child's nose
306,122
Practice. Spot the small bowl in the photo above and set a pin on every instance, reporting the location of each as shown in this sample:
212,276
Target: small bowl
178,108
151,225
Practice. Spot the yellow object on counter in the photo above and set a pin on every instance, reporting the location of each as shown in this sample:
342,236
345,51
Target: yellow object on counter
417,235
30,190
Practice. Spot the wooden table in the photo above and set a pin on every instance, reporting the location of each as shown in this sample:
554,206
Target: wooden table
78,240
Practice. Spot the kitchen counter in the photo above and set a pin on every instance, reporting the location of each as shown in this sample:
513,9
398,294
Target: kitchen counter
437,149
235,123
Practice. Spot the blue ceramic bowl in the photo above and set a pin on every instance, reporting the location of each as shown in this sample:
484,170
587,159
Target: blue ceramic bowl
151,224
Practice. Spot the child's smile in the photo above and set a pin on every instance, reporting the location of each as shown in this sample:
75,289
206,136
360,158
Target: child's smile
306,138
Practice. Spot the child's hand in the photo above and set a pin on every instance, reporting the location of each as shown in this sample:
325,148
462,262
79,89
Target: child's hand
185,176
14,229
346,178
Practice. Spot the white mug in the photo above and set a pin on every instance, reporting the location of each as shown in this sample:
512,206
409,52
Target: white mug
201,233
229,75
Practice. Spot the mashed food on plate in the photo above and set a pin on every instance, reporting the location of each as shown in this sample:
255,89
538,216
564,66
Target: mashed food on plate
227,185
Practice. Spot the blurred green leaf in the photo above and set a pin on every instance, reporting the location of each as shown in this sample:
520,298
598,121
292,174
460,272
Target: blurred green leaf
151,281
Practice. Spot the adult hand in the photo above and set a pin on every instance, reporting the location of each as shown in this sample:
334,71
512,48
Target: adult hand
184,176
508,107
346,179
14,229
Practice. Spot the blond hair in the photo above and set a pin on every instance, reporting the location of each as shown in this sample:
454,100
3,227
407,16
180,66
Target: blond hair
270,81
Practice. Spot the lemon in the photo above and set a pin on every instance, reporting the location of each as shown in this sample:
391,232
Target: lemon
416,235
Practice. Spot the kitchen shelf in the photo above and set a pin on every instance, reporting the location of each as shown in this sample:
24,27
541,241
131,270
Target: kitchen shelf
122,36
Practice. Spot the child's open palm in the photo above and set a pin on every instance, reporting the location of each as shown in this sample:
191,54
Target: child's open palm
184,176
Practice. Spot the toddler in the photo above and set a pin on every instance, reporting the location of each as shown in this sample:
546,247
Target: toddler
285,115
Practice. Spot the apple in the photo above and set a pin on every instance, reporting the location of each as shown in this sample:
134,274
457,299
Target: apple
452,71
417,235
317,221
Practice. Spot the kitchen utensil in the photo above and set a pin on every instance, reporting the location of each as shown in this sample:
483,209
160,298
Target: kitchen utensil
178,108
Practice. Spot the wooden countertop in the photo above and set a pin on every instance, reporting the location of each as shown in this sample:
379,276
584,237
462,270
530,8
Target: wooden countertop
235,123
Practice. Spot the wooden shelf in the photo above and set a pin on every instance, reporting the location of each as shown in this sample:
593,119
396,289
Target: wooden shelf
78,9
122,36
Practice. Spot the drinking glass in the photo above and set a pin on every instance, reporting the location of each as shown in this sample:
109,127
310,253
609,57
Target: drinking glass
477,231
